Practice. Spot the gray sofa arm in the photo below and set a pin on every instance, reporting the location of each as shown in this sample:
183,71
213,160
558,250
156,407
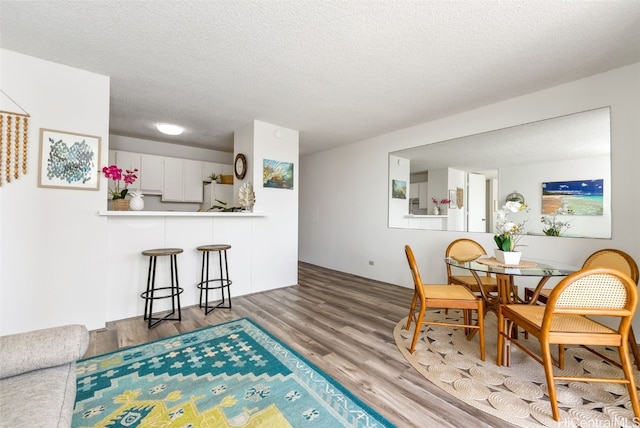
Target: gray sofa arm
24,352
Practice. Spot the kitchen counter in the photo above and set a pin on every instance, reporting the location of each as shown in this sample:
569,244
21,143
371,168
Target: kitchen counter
111,213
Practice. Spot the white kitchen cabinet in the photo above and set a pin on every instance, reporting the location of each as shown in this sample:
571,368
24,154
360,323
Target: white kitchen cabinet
151,174
192,181
209,168
422,195
182,180
217,191
419,190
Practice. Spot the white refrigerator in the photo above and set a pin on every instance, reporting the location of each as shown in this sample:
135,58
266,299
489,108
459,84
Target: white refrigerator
219,192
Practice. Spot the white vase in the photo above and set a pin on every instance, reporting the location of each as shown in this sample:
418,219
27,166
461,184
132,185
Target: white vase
508,257
436,210
136,203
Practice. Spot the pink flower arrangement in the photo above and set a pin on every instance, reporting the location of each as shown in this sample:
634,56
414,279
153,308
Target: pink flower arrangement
441,202
115,173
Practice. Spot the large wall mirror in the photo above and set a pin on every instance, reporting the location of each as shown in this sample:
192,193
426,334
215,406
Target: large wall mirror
551,165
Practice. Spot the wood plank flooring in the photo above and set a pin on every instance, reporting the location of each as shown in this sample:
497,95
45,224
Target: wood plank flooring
341,323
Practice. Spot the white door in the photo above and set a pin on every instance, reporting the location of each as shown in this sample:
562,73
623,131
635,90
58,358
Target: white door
476,203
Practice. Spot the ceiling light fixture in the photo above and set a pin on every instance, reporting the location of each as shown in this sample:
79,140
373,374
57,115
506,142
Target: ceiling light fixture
169,129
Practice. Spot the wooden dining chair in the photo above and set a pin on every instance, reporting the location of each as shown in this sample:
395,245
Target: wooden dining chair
600,292
463,250
607,258
442,296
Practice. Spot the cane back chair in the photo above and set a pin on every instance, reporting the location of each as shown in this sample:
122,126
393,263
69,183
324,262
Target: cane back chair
442,296
607,258
465,250
589,292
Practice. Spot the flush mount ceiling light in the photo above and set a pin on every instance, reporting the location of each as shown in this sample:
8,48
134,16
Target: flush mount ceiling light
169,129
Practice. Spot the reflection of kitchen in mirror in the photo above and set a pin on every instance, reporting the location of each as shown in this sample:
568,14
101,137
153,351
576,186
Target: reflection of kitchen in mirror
485,168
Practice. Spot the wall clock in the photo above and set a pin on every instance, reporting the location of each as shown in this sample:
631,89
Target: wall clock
240,166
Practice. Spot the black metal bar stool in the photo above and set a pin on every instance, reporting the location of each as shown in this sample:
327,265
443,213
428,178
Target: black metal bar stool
168,292
223,282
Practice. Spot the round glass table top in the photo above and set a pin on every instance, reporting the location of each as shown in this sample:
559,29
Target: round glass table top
542,267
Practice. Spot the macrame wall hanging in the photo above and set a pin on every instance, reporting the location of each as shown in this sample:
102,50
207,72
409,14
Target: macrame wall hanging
14,127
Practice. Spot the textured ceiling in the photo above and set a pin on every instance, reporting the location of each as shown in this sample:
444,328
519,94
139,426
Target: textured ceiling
337,71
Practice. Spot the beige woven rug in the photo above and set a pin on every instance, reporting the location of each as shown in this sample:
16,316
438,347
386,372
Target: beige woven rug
517,394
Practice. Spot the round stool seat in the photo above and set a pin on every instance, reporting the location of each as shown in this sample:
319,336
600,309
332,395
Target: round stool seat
162,252
215,247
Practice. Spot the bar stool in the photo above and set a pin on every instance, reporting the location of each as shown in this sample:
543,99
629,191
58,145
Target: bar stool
168,292
221,283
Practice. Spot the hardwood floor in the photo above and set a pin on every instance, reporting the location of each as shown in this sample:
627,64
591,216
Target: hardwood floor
341,323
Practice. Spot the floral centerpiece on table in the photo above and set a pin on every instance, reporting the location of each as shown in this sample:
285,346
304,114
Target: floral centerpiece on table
114,173
509,233
552,225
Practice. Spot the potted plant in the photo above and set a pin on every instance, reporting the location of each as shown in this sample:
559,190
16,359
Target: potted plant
509,233
552,225
215,178
438,209
118,195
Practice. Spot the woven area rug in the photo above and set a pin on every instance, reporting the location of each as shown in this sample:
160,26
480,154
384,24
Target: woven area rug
231,375
517,394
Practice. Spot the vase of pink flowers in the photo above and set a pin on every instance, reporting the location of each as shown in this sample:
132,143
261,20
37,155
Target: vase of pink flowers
438,208
118,193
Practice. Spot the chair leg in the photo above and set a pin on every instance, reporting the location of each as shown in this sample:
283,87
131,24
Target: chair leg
481,328
418,328
561,356
499,359
547,361
627,368
634,347
412,310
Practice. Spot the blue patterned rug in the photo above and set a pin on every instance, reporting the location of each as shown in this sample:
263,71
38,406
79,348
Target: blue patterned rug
231,375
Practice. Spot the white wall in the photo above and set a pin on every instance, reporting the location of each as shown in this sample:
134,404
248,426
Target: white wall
52,240
275,242
350,227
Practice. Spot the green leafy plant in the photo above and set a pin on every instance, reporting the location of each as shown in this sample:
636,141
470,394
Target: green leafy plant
552,225
222,207
214,176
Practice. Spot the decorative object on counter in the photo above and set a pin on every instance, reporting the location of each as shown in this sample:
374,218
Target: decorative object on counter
114,173
277,174
439,205
215,178
222,207
120,204
19,135
246,197
226,179
240,166
552,225
509,233
69,160
136,203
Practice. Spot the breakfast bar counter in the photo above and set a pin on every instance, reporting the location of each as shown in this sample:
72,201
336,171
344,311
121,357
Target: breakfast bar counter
255,261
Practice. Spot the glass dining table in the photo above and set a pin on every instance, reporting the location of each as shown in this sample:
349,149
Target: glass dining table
507,290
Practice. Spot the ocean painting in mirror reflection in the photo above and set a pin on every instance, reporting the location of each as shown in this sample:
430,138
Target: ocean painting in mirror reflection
583,197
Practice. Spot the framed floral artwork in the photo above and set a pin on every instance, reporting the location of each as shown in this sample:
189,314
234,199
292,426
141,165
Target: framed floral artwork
69,160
